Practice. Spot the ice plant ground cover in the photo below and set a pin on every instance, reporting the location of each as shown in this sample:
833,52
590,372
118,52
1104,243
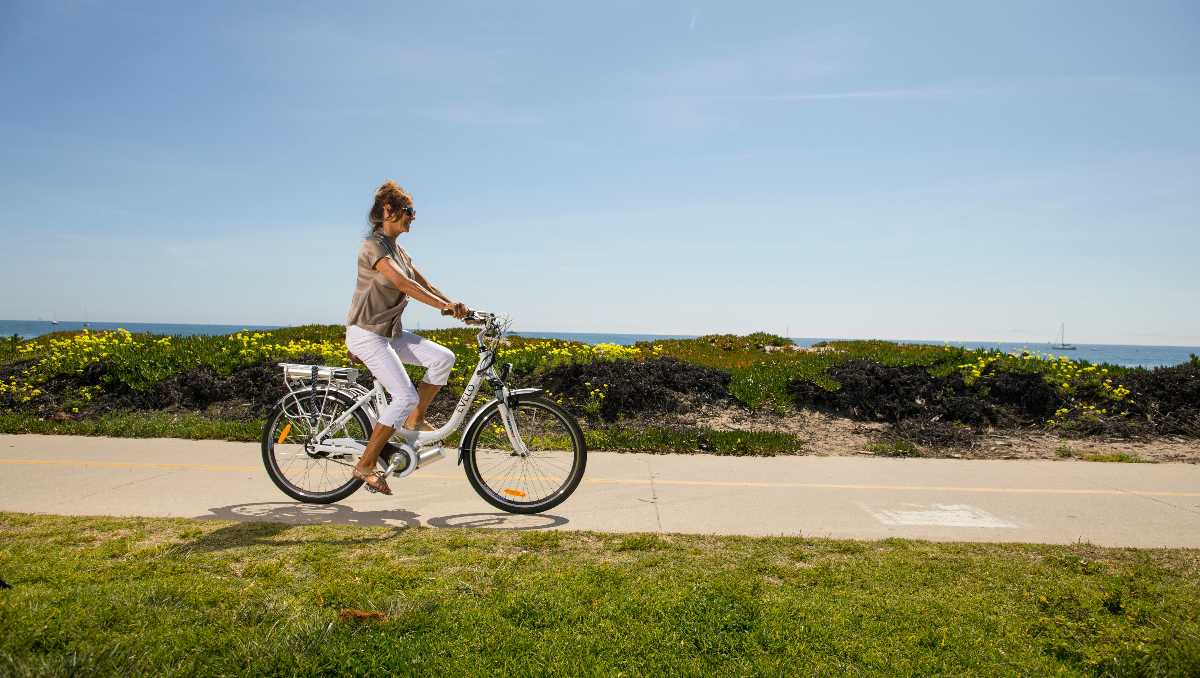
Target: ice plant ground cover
141,596
83,381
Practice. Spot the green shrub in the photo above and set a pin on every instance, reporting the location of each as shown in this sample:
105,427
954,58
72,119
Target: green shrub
69,370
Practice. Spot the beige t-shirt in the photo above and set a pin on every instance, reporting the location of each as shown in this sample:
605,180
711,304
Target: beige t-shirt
377,304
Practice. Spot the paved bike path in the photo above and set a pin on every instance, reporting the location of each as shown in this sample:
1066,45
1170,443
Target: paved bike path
852,497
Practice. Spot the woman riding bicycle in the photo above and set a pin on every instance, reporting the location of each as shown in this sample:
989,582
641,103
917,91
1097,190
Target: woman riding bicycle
387,279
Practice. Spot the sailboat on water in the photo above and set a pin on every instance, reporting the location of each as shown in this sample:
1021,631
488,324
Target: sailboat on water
1062,335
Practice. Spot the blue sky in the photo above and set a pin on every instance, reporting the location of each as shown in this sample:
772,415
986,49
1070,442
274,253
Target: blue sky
951,171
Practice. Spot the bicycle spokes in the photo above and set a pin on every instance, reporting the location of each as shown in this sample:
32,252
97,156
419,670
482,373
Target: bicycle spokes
537,467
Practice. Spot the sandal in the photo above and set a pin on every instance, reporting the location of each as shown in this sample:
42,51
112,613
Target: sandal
380,486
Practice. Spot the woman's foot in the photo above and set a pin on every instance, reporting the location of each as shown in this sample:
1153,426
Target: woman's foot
373,480
418,426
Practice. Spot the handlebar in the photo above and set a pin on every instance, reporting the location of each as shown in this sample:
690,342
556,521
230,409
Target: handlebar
473,317
492,327
478,318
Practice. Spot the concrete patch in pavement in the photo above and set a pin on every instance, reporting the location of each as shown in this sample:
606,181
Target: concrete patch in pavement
938,515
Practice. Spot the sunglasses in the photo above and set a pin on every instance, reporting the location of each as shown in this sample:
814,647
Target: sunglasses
407,209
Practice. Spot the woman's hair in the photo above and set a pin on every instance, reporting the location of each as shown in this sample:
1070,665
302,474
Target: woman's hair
389,194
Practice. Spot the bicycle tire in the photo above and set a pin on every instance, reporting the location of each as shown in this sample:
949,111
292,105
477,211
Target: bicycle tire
470,449
270,438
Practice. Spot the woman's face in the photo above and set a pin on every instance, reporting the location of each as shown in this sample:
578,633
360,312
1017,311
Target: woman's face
395,224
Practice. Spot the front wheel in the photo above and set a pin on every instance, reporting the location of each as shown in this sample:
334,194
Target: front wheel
541,478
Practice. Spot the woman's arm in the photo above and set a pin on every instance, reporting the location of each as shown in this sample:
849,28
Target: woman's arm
421,280
411,287
460,309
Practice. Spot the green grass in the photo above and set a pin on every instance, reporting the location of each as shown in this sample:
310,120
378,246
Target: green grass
139,425
125,596
725,443
1117,457
894,448
1066,452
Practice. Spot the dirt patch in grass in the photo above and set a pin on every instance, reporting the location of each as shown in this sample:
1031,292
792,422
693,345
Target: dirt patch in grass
1040,445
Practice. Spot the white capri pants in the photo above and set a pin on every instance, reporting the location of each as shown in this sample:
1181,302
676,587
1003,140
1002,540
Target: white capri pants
385,357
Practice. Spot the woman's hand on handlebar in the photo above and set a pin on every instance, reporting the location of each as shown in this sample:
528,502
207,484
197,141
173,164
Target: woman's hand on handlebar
457,309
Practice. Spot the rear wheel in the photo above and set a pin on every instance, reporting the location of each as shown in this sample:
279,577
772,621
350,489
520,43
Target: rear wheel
541,478
289,453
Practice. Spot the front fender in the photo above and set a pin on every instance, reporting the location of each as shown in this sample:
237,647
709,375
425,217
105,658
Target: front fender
514,397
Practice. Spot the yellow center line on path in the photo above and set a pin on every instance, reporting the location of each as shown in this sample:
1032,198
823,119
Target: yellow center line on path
663,481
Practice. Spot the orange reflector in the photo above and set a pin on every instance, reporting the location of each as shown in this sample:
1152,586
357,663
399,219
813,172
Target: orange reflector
283,434
513,493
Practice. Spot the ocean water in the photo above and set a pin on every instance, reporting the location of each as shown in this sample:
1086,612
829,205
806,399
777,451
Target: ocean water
27,329
1115,354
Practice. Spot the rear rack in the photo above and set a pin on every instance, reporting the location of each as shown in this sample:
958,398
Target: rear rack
300,379
319,373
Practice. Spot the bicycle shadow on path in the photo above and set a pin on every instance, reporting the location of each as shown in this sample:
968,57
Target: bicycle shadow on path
263,522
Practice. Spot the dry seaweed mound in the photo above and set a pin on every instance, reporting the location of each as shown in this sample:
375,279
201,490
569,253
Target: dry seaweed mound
874,392
254,389
934,434
658,385
1027,394
1167,398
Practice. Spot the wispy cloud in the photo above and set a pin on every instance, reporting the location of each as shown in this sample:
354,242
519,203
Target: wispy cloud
692,23
483,115
339,113
1036,86
770,64
692,112
910,93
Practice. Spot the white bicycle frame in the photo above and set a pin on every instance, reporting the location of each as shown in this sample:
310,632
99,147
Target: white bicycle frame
374,399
